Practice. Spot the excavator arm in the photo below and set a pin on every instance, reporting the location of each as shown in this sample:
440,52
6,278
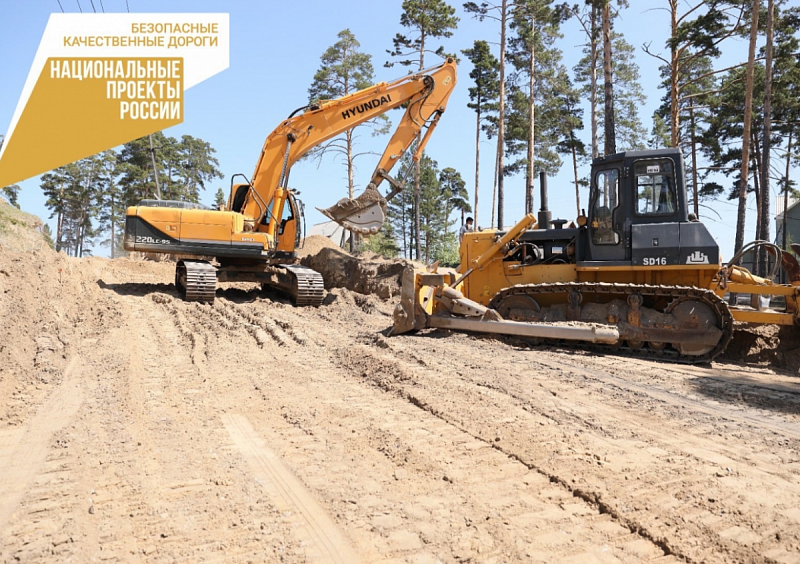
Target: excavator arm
425,95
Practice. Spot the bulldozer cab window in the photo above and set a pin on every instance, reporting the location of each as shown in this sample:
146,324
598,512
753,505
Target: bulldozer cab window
606,200
655,187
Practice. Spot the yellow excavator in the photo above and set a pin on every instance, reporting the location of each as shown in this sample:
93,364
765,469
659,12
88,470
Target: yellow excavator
638,275
256,236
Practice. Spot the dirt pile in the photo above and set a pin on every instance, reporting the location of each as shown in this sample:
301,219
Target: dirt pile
39,314
314,244
774,345
366,273
20,231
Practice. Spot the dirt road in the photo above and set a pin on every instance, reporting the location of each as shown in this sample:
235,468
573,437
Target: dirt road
135,427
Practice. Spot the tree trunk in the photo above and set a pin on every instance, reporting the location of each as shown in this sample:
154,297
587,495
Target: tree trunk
60,220
501,130
494,189
349,147
610,135
748,117
531,130
674,67
113,241
762,252
786,188
417,242
575,171
417,231
155,168
477,160
593,92
695,187
755,154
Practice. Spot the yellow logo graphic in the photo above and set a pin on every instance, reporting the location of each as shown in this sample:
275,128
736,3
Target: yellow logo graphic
125,97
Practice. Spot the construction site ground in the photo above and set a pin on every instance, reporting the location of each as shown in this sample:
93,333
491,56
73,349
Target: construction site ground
135,427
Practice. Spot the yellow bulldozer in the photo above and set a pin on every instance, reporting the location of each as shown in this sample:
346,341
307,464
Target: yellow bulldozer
636,275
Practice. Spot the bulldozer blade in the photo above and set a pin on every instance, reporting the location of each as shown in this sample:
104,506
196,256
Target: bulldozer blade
590,332
364,214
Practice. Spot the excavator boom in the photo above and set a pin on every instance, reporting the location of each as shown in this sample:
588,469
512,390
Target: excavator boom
425,95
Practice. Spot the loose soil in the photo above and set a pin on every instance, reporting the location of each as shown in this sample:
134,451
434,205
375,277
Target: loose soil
135,427
366,273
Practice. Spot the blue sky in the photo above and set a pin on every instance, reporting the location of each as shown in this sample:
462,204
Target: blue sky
275,51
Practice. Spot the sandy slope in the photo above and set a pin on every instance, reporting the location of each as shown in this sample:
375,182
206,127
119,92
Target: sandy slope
135,427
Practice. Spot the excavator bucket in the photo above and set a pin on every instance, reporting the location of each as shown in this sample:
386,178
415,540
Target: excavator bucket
364,214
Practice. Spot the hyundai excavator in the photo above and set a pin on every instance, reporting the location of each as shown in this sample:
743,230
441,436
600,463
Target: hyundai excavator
638,275
256,237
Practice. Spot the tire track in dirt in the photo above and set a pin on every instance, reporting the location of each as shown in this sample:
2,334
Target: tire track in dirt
682,493
23,450
290,495
442,477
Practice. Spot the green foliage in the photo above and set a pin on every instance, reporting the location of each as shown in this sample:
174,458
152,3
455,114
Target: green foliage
631,134
536,27
184,167
47,234
426,19
486,76
220,201
441,193
11,193
88,198
344,69
382,243
659,134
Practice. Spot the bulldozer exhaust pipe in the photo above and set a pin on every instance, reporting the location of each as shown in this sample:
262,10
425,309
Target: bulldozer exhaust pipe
545,215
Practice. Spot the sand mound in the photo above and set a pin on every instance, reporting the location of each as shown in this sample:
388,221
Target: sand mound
314,244
778,346
365,274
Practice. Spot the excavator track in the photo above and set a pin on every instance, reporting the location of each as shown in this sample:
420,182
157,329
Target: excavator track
600,292
196,280
308,288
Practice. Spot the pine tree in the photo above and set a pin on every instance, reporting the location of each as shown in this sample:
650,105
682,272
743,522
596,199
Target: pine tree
455,192
47,234
630,133
11,193
194,164
483,97
501,13
690,40
344,70
534,84
427,19
184,168
220,201
570,121
110,203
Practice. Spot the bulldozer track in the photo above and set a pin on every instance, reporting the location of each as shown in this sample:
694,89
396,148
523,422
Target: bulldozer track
606,290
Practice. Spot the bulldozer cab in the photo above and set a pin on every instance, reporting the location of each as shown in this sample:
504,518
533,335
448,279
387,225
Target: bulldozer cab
635,198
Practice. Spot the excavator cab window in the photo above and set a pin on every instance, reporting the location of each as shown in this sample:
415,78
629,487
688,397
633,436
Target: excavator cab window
606,201
655,187
286,216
